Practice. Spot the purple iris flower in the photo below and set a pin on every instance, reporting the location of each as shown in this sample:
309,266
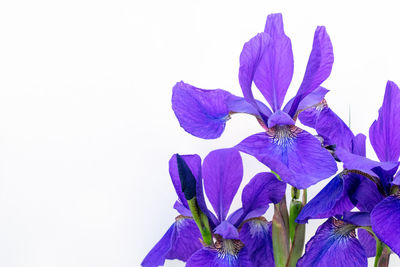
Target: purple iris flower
267,61
377,197
240,239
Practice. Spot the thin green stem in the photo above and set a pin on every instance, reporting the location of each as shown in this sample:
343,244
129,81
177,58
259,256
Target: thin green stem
379,248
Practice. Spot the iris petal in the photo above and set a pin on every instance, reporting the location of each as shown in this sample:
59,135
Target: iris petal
333,245
179,242
384,132
256,235
294,154
385,218
222,174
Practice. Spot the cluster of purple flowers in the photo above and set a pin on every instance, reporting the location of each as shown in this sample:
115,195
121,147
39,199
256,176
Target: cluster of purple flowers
361,204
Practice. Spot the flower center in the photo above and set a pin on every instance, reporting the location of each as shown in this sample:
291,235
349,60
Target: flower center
283,135
228,248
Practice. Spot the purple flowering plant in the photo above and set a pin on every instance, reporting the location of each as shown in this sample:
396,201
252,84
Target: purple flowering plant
361,203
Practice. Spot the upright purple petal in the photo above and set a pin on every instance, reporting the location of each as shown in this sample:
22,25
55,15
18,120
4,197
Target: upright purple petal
179,242
294,154
385,218
263,189
194,163
367,241
318,69
274,69
333,245
385,131
256,234
333,199
222,174
358,145
249,59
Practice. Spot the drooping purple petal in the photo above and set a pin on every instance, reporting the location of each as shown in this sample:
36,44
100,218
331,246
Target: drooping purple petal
333,199
179,242
194,163
294,154
212,258
222,174
227,230
318,69
367,241
333,245
274,70
355,162
385,218
385,131
280,117
263,189
256,234
357,218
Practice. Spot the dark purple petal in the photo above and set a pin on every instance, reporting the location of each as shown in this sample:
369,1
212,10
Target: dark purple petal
256,235
385,218
318,69
333,130
385,131
396,179
357,218
202,113
263,189
367,241
333,199
333,245
194,163
210,257
274,70
294,154
280,117
222,174
240,105
179,242
386,177
227,230
367,195
309,116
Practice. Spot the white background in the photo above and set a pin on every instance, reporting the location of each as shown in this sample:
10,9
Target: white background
86,126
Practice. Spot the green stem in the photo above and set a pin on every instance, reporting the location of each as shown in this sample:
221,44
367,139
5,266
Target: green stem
201,220
280,233
378,254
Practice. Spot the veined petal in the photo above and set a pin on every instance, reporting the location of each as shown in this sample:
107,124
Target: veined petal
385,218
294,154
179,242
334,245
358,145
333,199
263,189
318,69
194,163
222,174
256,234
367,241
385,131
224,256
274,70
